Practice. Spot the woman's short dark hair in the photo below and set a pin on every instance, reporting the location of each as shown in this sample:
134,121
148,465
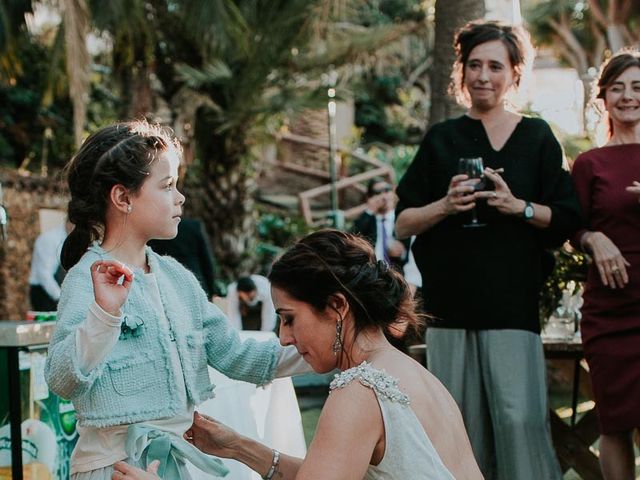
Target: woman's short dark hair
328,262
609,72
514,38
246,284
120,154
375,181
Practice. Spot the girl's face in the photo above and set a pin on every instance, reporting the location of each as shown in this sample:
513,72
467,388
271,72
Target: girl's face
622,98
157,206
310,331
488,75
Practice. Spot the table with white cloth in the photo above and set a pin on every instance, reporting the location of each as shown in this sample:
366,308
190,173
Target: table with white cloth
269,414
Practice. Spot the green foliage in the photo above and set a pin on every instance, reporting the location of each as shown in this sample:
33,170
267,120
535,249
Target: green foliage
36,117
24,116
275,232
387,111
576,14
390,100
388,11
570,265
281,230
398,156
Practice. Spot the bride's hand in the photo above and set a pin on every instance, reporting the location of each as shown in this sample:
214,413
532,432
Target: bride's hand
212,437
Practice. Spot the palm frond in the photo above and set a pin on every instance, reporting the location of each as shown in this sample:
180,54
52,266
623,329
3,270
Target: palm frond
210,74
216,25
352,42
130,24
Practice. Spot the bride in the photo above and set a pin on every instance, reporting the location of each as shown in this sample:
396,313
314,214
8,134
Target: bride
387,417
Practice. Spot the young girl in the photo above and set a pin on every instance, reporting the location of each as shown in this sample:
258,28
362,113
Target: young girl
135,331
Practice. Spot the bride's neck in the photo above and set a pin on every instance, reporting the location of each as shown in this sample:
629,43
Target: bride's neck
368,346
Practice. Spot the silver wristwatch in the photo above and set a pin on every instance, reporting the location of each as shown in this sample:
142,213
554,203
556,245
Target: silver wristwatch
528,211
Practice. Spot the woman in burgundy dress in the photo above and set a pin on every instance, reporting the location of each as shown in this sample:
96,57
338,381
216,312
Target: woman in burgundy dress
606,180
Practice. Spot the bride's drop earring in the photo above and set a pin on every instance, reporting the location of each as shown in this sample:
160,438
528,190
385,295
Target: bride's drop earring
337,343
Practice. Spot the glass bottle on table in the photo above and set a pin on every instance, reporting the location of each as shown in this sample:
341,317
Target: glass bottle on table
473,167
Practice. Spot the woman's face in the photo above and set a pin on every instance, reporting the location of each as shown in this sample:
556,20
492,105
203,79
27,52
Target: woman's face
488,75
622,98
310,331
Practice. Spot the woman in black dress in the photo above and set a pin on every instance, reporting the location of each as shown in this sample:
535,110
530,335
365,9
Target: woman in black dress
482,284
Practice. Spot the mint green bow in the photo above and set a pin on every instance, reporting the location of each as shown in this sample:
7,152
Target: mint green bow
131,326
145,444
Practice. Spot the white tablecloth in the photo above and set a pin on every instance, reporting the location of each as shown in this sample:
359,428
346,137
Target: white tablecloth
268,414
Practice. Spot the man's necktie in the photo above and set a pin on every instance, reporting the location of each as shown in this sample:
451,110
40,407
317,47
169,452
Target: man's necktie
385,240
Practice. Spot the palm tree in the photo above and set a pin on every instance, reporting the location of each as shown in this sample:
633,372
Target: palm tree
234,78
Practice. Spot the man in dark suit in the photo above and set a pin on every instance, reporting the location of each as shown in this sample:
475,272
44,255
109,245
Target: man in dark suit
377,224
191,247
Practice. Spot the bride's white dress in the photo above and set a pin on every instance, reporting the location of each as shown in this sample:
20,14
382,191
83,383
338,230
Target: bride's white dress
409,453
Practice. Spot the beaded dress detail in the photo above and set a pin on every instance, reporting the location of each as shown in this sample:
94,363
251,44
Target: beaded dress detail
409,453
380,381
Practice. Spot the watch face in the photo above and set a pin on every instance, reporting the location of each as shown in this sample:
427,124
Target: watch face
528,212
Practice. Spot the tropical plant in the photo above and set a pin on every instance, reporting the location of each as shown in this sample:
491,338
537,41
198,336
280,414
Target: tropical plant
391,89
233,84
35,122
570,265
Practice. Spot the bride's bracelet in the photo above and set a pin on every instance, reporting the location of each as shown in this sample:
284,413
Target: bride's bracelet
274,465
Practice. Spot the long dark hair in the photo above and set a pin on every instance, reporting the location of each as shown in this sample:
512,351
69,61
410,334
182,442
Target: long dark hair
328,262
514,38
609,72
120,154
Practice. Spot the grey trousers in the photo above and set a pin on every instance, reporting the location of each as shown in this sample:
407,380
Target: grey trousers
498,379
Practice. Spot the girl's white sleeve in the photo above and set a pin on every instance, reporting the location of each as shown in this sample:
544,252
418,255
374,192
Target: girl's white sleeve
290,363
95,337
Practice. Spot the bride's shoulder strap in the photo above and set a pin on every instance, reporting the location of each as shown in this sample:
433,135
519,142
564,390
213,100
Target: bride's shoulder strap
385,386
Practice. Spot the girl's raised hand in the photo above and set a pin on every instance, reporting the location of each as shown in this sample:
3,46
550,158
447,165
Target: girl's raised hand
110,293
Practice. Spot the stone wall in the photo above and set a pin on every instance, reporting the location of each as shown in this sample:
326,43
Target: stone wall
23,199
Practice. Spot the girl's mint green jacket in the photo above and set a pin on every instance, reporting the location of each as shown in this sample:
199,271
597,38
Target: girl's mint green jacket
135,382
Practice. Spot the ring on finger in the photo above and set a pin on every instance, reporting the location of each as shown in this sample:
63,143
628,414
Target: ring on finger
494,195
615,269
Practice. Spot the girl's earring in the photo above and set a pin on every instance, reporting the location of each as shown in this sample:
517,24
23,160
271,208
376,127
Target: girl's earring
129,208
337,343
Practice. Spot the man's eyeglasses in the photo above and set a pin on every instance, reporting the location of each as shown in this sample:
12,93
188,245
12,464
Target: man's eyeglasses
378,191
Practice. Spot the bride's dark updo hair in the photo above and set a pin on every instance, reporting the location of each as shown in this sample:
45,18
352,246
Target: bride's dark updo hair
330,261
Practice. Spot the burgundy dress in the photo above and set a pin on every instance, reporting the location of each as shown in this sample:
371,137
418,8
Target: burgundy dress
611,318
